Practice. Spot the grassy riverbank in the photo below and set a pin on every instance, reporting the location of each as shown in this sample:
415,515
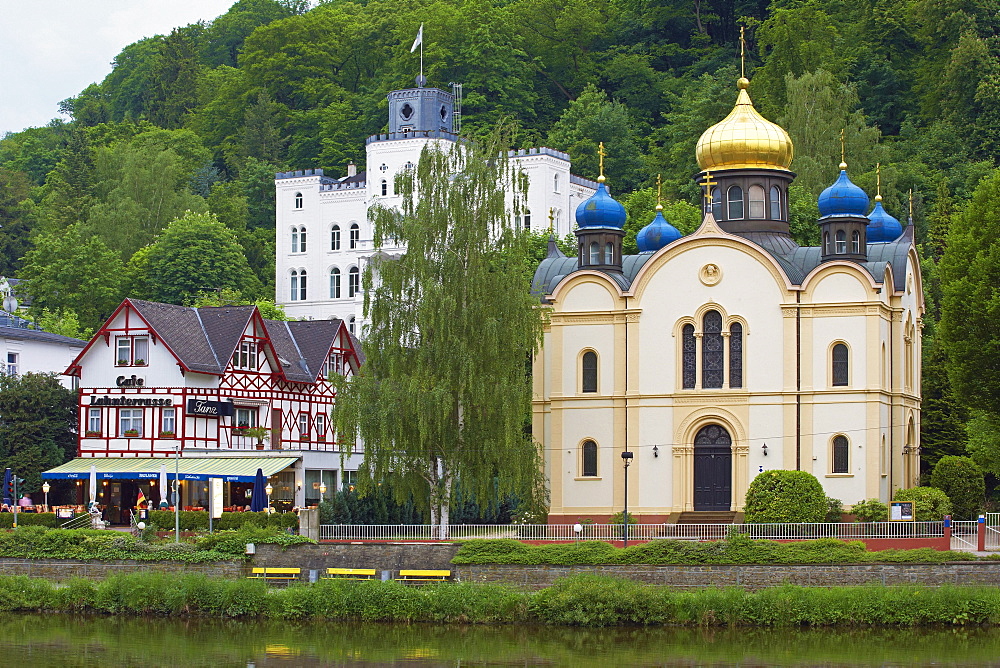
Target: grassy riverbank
587,600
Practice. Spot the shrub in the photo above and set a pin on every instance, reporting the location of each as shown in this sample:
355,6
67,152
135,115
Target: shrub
31,519
962,480
930,504
197,520
834,510
785,496
871,510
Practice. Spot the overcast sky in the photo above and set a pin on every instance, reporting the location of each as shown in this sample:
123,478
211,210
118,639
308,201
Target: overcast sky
52,49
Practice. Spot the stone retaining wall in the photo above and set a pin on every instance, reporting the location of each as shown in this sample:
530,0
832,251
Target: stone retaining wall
64,569
380,556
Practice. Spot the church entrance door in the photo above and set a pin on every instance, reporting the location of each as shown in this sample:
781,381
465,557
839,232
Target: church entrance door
713,469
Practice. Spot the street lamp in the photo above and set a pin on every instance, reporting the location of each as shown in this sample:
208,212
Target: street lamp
626,459
322,492
45,489
268,491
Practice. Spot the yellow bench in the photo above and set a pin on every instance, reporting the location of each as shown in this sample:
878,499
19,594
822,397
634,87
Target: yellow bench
350,573
423,576
283,574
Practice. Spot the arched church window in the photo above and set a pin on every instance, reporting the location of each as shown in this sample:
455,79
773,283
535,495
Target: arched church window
716,204
335,237
736,355
589,459
335,283
855,242
841,454
555,183
609,253
298,200
841,365
827,248
776,203
841,242
355,235
385,187
756,194
588,372
711,351
735,197
353,282
298,285
689,357
595,253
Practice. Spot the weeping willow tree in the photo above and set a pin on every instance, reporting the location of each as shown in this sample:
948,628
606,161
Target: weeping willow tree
444,393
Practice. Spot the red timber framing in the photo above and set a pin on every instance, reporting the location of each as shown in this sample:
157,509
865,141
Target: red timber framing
256,392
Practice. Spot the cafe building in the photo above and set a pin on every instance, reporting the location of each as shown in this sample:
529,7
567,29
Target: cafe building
211,392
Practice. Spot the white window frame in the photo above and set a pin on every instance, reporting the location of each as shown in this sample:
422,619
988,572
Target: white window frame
13,363
244,416
168,421
132,351
129,419
95,420
354,236
353,281
335,238
321,426
304,424
245,356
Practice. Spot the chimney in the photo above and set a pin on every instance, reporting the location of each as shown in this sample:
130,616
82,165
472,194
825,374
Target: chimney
352,169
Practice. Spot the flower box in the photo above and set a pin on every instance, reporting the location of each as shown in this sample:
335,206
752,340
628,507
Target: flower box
167,434
93,434
122,363
131,433
139,362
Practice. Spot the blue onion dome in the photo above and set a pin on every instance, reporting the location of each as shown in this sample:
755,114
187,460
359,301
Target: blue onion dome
601,210
882,227
843,198
657,234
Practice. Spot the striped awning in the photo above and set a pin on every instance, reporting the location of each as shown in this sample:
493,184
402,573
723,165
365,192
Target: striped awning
230,469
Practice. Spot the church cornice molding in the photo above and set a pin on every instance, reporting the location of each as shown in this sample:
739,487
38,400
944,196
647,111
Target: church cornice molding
595,317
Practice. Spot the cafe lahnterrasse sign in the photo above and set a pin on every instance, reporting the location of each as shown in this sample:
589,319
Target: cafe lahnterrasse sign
130,400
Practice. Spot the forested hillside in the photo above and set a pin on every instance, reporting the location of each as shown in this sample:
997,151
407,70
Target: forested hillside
199,120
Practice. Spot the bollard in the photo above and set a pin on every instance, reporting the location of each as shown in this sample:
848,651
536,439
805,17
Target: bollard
981,534
947,529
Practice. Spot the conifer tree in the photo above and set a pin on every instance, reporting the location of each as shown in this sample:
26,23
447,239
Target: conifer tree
443,395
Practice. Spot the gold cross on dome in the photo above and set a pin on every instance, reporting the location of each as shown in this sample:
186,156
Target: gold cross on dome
708,183
659,189
743,63
552,218
601,153
878,179
843,151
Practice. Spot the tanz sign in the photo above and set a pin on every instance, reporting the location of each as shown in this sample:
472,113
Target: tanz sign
206,408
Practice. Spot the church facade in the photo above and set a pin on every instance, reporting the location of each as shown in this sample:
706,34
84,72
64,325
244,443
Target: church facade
731,351
324,235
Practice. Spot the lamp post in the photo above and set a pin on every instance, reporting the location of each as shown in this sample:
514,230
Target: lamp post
45,489
626,459
322,492
268,491
177,491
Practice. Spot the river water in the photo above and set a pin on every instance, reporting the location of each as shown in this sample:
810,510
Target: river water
111,642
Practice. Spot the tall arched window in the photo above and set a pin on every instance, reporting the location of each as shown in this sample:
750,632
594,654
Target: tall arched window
776,203
335,237
295,239
588,372
716,203
827,248
335,283
736,355
589,459
712,370
302,239
841,455
841,242
555,183
855,242
841,364
385,187
353,282
735,197
689,357
595,253
355,235
527,219
609,253
756,196
298,285
298,200
294,294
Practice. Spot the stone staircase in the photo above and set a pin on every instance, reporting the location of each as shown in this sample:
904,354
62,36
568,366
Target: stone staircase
708,517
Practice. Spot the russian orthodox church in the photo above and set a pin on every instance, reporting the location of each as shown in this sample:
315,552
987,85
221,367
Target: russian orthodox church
323,232
718,355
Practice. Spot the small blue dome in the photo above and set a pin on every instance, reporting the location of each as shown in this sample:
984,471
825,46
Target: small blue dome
601,210
656,235
843,198
882,227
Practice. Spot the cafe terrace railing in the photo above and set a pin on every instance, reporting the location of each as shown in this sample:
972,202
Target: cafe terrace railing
636,532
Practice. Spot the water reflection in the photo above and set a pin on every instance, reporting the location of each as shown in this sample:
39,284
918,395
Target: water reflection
72,641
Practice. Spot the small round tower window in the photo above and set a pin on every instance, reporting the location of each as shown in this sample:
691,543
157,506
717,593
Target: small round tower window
406,111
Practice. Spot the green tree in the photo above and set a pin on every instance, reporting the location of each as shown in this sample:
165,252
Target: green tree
930,504
443,395
785,496
196,253
38,425
175,77
962,480
73,271
15,224
229,297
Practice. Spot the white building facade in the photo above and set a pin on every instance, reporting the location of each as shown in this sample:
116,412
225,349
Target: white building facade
323,231
25,349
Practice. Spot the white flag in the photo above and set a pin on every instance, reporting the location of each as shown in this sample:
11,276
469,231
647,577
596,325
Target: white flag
419,40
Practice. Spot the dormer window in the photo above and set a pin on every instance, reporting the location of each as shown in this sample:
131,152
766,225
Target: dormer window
245,356
132,351
334,364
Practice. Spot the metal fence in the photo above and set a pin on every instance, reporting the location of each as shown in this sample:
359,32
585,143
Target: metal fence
637,532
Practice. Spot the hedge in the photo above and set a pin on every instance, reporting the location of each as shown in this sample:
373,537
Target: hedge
963,481
785,496
197,520
33,519
930,504
735,550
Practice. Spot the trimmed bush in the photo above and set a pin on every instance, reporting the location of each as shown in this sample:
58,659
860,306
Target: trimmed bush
930,504
870,510
834,510
785,496
197,520
32,519
963,481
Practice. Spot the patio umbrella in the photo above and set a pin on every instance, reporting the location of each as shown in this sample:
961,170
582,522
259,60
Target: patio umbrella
164,503
258,500
7,501
93,486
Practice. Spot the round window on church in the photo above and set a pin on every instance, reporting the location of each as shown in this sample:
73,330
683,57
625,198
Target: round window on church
406,111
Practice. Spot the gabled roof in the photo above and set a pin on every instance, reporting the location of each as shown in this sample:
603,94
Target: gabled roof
204,339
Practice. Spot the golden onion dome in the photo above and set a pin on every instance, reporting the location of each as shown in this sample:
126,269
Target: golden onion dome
744,140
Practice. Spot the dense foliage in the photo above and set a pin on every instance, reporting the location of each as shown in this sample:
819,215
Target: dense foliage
197,520
735,550
962,480
785,496
870,510
929,503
